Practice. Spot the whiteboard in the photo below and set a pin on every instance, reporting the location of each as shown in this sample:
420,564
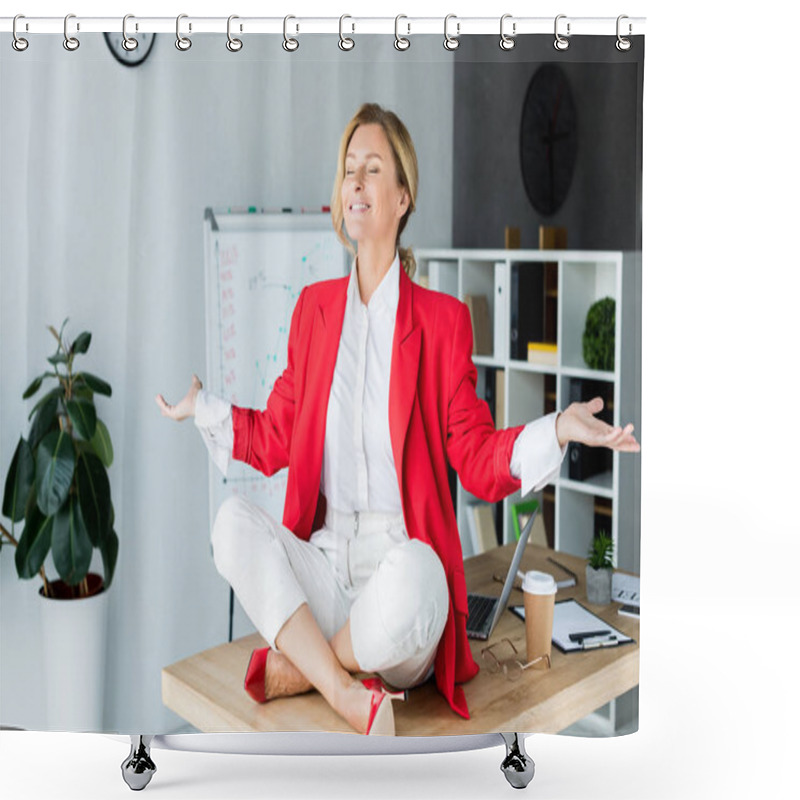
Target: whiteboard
256,265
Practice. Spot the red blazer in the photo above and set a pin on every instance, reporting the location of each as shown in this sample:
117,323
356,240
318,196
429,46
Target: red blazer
435,416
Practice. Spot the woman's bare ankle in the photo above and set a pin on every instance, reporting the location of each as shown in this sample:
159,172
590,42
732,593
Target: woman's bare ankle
352,702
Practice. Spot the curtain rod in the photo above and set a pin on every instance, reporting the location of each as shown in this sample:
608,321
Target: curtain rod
346,25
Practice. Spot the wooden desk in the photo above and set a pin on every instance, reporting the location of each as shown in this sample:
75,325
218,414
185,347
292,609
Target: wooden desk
207,689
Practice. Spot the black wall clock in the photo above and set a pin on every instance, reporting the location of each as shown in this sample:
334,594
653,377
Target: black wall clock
548,142
130,58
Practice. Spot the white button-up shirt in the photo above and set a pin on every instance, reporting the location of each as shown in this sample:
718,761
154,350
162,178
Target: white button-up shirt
358,470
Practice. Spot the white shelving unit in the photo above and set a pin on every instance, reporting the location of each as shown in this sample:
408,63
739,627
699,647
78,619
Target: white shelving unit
583,278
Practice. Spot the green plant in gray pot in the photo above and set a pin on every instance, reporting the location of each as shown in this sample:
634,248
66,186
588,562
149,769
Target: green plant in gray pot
57,482
600,569
598,335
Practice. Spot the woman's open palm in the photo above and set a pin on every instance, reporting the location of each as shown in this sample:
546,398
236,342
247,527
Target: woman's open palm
579,424
185,408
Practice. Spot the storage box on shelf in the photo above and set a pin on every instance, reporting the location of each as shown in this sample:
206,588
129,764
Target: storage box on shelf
561,286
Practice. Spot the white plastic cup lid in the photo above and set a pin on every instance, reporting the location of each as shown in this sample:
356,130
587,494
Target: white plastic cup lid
538,583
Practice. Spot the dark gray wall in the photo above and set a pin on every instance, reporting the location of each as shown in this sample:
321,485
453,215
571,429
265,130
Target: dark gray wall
602,210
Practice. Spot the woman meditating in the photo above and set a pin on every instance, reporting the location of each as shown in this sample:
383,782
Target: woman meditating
365,572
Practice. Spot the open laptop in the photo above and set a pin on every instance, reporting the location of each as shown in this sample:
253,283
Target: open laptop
484,612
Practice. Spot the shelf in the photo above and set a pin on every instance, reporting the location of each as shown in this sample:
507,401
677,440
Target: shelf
526,366
601,485
572,282
589,374
487,361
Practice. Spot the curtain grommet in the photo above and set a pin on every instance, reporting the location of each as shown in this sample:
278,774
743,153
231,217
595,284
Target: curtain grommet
129,43
183,43
622,44
561,43
451,42
345,42
507,42
18,43
233,44
71,43
400,42
289,44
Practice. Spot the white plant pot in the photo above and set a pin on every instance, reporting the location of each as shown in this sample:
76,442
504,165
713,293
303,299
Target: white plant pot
74,650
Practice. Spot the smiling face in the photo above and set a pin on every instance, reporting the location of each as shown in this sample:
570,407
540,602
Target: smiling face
373,201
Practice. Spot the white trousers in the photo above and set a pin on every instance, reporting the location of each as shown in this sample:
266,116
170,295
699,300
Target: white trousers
363,567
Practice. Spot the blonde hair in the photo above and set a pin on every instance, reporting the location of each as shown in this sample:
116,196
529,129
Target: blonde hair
405,159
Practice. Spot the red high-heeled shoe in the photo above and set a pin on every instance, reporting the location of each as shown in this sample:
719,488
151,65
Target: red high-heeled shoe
381,713
254,680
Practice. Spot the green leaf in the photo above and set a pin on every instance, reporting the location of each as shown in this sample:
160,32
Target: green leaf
72,548
19,480
109,549
34,387
34,544
57,358
55,466
598,335
56,392
83,416
81,344
46,421
94,383
101,442
94,494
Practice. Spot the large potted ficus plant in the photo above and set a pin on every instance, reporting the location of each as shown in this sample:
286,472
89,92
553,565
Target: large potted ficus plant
58,488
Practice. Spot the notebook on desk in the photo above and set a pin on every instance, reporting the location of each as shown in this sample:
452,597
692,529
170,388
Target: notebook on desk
484,611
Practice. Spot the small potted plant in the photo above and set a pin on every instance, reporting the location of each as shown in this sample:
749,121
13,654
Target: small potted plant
57,486
600,569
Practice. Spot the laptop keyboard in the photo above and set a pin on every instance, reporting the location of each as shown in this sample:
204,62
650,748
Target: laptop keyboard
480,609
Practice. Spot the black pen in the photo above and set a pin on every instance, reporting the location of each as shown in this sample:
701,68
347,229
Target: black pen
579,637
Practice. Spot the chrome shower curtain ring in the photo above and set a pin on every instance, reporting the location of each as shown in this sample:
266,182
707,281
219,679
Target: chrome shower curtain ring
183,43
507,42
345,43
622,44
401,43
18,43
289,44
128,42
561,43
70,42
233,44
451,42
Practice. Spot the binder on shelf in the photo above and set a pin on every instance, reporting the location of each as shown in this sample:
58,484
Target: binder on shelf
490,393
494,393
501,311
543,353
586,462
482,527
527,308
500,398
478,306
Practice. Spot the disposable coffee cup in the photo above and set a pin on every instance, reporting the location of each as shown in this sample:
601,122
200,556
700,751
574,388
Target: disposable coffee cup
539,591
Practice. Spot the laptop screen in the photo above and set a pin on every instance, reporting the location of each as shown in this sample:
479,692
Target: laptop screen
515,562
